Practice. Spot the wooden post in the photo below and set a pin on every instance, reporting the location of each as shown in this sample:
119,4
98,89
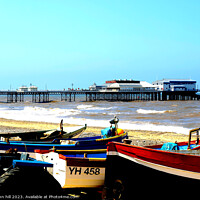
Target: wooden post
65,96
70,97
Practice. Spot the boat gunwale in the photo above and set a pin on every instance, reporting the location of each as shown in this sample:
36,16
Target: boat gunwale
55,143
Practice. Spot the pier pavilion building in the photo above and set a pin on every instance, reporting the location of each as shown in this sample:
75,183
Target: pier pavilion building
175,85
32,88
23,89
123,85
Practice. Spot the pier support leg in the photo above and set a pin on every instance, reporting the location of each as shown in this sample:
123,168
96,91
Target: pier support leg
65,96
70,97
16,97
61,98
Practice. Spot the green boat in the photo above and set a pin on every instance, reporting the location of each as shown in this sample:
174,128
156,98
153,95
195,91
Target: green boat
45,135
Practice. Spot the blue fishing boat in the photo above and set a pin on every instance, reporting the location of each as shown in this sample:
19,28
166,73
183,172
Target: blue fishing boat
99,142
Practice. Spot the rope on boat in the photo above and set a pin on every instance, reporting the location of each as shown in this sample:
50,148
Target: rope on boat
25,147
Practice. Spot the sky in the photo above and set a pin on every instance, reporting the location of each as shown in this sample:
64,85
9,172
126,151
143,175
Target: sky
56,43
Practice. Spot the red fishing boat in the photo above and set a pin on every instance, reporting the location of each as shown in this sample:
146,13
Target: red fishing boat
152,169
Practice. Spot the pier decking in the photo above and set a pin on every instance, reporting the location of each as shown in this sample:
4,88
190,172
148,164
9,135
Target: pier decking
70,95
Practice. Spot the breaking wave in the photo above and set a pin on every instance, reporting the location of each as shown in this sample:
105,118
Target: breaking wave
143,111
91,107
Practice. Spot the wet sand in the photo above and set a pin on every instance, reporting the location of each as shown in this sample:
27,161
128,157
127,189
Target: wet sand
7,125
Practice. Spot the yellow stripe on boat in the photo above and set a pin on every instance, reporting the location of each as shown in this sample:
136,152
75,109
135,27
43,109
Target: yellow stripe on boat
117,136
83,151
97,159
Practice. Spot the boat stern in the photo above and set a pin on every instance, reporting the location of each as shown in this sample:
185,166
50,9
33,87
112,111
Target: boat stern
80,172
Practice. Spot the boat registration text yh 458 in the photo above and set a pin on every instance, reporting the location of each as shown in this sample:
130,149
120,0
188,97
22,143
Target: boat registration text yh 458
84,170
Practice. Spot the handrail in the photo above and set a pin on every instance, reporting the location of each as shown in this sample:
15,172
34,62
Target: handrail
190,136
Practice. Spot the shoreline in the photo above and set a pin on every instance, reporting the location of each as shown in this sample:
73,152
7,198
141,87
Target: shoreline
8,125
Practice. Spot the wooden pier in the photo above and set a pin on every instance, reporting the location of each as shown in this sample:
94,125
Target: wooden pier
70,95
39,96
142,96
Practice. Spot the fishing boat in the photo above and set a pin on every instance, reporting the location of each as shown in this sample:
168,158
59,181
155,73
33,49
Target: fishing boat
24,175
55,173
46,135
153,169
81,168
6,159
191,145
76,169
97,142
87,143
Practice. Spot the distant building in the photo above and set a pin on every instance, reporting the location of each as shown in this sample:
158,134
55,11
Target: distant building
175,85
96,87
123,85
32,88
23,88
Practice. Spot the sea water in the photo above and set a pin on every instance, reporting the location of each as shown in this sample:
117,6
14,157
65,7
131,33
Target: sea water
164,116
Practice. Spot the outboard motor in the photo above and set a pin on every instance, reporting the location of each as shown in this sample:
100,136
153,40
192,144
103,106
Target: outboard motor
114,129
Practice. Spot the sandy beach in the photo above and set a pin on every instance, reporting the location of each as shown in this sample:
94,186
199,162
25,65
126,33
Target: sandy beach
7,125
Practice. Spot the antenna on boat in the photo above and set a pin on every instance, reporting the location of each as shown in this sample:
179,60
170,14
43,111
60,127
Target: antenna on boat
61,126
